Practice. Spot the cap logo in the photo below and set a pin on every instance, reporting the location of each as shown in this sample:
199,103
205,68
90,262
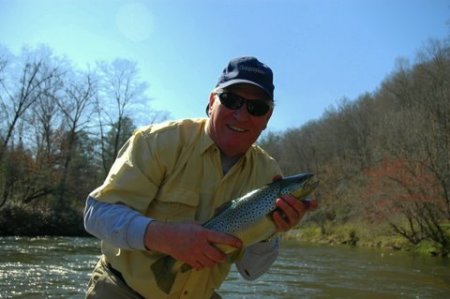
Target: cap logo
251,69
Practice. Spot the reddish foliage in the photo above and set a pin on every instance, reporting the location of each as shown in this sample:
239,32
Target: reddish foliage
394,186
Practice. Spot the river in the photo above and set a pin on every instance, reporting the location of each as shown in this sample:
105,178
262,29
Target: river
60,268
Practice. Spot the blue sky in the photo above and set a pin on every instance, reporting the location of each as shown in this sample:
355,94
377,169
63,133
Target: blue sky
320,51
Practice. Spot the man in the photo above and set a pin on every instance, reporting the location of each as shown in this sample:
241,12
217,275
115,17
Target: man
169,178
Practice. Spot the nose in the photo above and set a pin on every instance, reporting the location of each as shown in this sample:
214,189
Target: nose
241,113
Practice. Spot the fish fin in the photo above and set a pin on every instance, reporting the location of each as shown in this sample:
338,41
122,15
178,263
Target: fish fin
162,272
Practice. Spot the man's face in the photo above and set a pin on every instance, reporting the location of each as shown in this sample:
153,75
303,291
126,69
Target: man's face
234,131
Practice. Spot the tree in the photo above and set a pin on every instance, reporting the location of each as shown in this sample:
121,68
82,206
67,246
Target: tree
36,72
39,76
112,138
417,143
120,91
75,104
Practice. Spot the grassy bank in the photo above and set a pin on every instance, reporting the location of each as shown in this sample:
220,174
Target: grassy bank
361,235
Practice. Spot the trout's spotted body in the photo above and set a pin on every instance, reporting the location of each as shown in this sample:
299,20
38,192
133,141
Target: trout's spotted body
246,210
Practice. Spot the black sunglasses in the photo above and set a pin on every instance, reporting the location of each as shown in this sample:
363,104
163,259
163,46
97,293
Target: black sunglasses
234,102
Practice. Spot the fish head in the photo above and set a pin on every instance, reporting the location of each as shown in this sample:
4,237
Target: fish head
300,185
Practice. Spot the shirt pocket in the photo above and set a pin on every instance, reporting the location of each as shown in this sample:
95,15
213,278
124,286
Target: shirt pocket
174,205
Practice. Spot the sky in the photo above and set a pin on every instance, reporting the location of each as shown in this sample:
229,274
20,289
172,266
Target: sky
320,51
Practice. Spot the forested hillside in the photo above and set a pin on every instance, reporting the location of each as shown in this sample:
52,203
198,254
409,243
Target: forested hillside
383,158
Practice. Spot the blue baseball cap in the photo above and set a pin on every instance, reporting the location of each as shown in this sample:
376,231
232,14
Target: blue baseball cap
248,70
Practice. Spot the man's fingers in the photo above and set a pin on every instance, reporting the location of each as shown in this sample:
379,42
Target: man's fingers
290,211
291,208
224,239
281,221
214,254
209,255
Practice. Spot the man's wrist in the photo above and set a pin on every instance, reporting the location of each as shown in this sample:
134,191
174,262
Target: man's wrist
155,236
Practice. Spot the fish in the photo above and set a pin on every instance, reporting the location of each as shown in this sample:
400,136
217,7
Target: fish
247,218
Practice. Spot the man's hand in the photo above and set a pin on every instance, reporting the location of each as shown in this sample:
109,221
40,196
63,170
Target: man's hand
189,242
290,211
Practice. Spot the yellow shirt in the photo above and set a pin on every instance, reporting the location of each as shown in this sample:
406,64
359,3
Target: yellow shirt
173,172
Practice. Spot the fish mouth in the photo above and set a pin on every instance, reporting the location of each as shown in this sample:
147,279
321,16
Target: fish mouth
236,129
312,183
308,183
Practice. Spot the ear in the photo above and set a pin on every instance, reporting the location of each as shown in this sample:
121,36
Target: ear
212,98
269,114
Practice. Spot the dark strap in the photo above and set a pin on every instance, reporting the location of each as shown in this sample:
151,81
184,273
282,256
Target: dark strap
119,276
115,272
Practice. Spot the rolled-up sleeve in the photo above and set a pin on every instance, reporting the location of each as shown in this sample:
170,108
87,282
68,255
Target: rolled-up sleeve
116,224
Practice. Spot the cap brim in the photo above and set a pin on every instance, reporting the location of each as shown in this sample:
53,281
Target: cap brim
238,81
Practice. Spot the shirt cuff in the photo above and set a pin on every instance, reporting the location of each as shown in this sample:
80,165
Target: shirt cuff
136,232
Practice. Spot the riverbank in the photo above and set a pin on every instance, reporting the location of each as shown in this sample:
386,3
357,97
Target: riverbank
25,221
359,235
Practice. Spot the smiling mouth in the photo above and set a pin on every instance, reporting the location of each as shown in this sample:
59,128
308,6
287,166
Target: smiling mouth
236,129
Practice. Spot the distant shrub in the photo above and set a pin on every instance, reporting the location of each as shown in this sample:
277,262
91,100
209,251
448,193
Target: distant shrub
27,221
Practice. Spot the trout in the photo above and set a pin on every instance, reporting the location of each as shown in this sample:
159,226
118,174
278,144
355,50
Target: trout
247,218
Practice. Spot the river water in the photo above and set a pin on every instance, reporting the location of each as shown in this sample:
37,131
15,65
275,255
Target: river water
60,268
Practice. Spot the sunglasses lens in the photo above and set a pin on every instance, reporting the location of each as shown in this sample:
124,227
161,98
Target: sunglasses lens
235,102
257,108
231,101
